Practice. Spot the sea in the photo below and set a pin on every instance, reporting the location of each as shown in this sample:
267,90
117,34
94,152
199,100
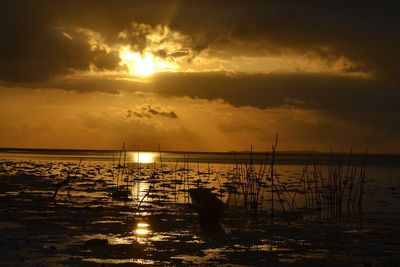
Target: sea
280,158
84,225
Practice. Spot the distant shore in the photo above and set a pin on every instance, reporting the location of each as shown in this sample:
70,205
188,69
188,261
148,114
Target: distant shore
282,157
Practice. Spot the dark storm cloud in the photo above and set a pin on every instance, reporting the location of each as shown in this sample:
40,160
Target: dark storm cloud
36,46
310,91
307,91
366,32
33,47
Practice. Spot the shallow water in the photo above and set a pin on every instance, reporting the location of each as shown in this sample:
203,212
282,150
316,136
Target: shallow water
89,228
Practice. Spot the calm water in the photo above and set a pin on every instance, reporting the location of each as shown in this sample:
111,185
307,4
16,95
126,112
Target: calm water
89,228
382,171
281,158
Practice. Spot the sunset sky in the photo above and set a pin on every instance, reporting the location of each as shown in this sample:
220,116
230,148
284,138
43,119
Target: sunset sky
200,75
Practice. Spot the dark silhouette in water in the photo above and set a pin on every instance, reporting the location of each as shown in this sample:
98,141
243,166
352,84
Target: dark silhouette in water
209,207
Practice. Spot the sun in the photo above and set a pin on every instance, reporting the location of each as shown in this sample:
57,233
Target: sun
144,157
144,64
141,65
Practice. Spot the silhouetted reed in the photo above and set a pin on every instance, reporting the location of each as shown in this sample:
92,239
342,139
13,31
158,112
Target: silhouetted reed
330,187
72,176
122,190
324,190
252,180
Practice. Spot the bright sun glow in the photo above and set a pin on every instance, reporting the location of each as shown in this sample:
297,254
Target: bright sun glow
144,64
144,157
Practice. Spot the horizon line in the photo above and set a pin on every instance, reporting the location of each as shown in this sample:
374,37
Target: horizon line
200,152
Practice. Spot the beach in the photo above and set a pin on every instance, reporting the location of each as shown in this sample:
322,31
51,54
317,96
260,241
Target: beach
158,226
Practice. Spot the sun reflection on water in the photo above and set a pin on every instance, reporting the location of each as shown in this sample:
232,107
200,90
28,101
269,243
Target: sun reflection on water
143,225
141,189
142,232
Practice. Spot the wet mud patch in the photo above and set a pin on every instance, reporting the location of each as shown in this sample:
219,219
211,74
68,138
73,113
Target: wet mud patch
89,228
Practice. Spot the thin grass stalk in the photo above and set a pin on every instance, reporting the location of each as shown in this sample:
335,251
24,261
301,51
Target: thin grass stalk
264,178
175,182
301,178
281,202
362,182
284,190
272,178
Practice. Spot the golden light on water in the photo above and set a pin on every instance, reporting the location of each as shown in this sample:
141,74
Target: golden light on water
142,232
145,64
143,225
141,189
144,157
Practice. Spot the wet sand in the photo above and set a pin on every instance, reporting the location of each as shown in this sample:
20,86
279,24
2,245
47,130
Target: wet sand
90,228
